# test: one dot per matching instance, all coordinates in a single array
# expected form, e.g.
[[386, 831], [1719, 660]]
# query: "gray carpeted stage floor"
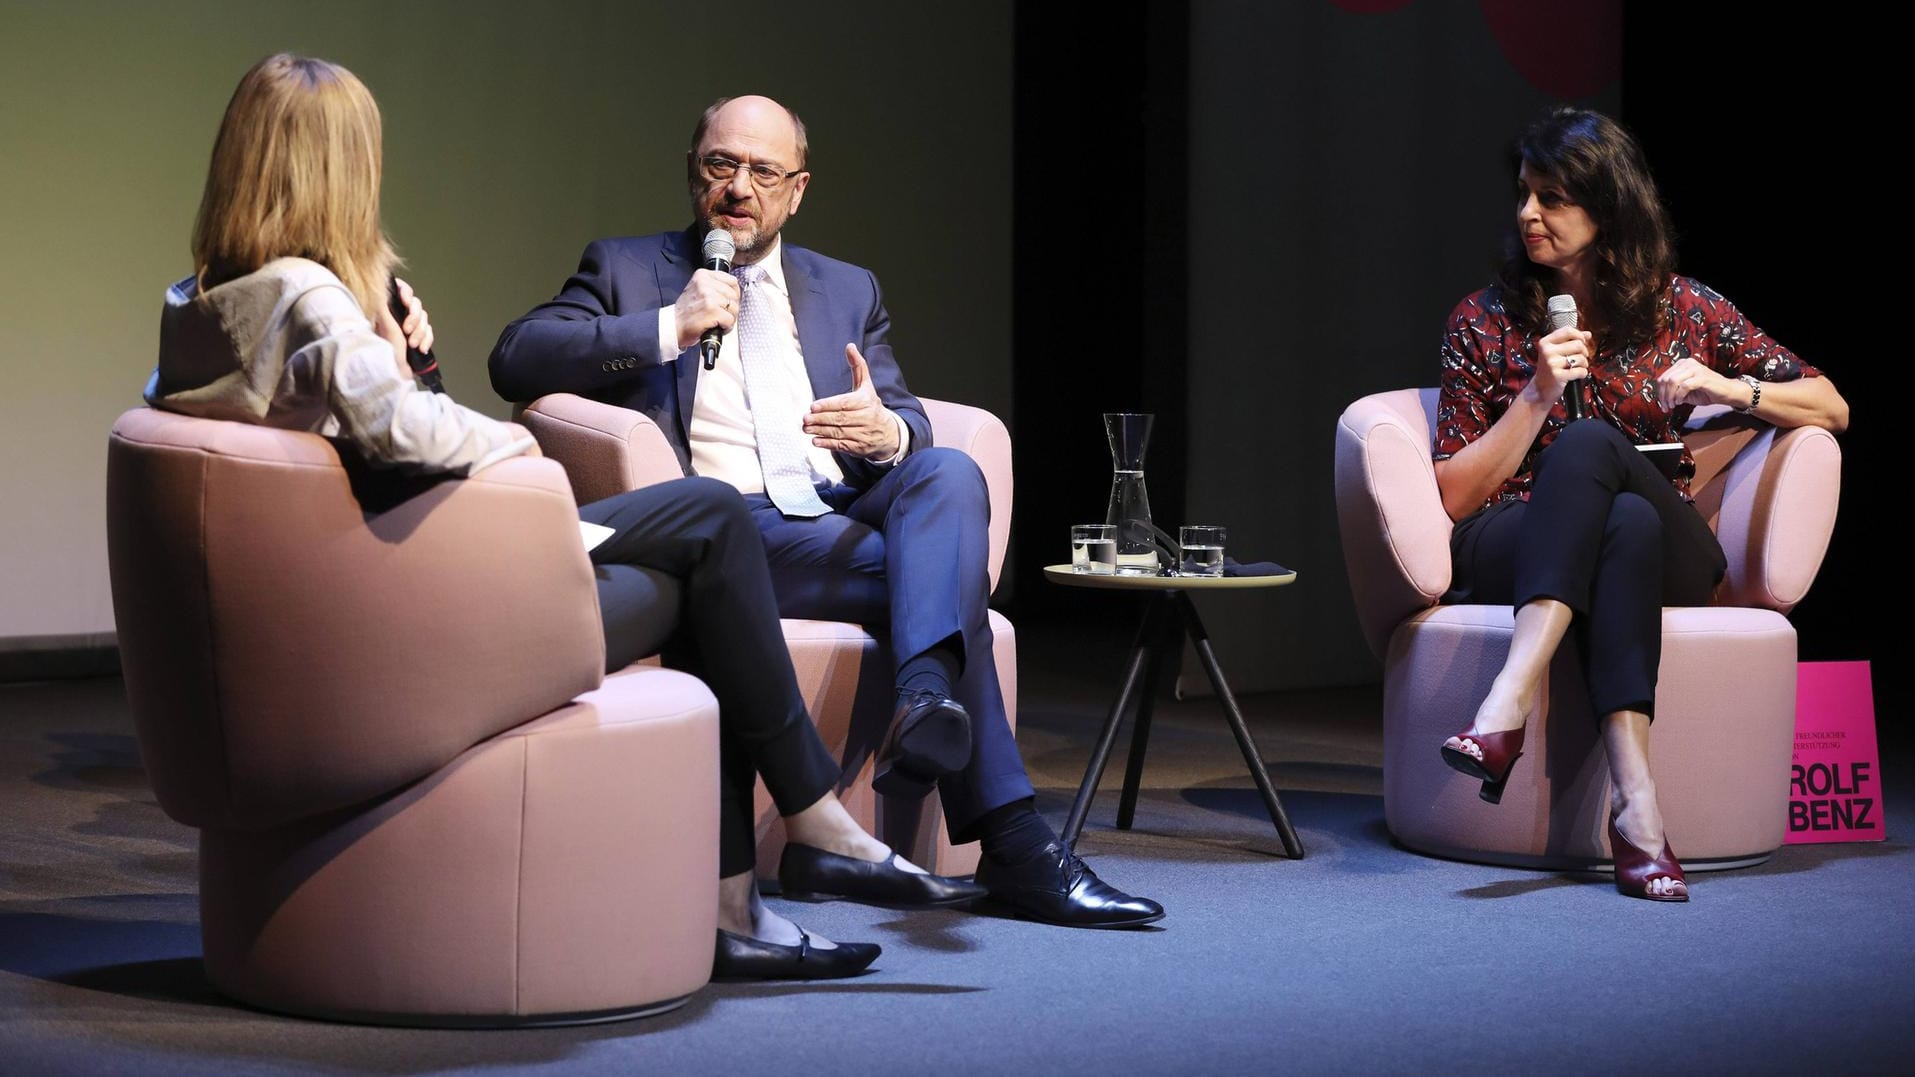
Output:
[[1361, 957]]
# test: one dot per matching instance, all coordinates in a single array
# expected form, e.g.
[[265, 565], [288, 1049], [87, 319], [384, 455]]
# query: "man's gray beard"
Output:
[[749, 249]]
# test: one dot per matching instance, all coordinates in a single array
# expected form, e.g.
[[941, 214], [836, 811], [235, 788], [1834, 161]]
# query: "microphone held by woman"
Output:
[[1562, 315]]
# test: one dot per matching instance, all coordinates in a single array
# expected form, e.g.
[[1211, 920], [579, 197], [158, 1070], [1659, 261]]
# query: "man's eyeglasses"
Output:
[[722, 169]]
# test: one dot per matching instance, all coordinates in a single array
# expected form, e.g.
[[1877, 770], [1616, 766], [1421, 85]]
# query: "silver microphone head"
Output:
[[1562, 312], [719, 247]]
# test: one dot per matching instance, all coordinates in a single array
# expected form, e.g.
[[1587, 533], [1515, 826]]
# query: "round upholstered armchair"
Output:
[[417, 802], [1725, 703]]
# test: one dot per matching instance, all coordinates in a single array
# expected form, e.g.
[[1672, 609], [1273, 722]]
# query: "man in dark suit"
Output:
[[806, 412]]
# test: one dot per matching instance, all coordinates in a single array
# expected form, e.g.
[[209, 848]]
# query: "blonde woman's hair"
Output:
[[295, 172]]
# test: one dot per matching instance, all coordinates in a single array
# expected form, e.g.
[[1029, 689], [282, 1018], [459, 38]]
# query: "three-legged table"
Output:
[[1169, 616]]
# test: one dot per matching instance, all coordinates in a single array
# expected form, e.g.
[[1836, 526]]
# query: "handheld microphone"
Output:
[[1562, 315], [424, 366], [718, 251]]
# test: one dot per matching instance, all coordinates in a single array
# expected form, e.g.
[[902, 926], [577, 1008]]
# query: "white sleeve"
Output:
[[667, 333], [904, 441], [381, 411]]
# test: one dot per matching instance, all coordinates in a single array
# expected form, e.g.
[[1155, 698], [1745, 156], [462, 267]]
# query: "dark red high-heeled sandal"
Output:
[[1635, 869], [1500, 753]]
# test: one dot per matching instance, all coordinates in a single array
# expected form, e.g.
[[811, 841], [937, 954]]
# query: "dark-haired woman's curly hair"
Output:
[[1603, 170]]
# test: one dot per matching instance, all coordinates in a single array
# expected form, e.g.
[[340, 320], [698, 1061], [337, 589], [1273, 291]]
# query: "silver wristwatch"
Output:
[[1755, 392]]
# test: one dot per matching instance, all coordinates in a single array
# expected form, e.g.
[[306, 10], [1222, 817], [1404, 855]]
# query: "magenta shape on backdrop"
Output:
[[1835, 774], [1566, 48]]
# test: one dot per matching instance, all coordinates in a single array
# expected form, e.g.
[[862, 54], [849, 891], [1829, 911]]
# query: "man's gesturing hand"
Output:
[[856, 422], [710, 298]]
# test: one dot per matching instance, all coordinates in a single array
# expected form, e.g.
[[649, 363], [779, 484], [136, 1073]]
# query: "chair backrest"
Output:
[[984, 438], [288, 652], [1396, 533], [1770, 494]]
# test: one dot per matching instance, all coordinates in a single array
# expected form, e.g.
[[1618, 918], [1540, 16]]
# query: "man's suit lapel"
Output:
[[810, 308], [675, 267]]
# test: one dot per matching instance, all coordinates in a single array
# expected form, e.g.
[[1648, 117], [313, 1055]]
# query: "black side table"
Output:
[[1168, 616]]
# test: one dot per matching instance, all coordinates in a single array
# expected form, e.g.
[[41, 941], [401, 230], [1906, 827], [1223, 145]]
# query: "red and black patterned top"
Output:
[[1487, 361]]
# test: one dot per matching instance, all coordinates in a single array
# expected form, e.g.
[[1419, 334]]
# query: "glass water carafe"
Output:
[[1129, 435]]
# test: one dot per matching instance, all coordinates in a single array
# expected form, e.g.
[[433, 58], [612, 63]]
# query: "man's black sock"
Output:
[[934, 670], [1014, 833]]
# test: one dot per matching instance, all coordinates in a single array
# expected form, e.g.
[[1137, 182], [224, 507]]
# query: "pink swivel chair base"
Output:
[[1719, 747], [449, 1021], [563, 872]]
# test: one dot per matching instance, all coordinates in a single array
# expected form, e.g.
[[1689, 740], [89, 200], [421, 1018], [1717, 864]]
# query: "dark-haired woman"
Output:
[[1567, 521]]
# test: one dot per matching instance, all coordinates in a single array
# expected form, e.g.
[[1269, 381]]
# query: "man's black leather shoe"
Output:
[[739, 958], [1058, 888], [930, 736], [808, 873]]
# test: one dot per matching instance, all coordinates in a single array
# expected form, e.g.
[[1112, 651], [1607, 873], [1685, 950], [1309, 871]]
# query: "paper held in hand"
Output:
[[1665, 455], [593, 534]]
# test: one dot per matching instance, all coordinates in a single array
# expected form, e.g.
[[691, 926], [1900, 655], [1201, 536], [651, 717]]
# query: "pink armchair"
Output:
[[419, 799], [844, 672], [1725, 702]]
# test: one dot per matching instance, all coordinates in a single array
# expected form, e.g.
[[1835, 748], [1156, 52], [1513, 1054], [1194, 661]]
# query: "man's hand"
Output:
[[856, 422], [710, 299]]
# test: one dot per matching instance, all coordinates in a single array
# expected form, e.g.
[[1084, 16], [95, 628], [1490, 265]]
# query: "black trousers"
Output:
[[684, 574], [1607, 535], [909, 556]]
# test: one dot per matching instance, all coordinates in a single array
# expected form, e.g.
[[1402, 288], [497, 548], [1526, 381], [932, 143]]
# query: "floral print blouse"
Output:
[[1487, 360]]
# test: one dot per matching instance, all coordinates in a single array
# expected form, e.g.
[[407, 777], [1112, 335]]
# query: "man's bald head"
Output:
[[756, 109]]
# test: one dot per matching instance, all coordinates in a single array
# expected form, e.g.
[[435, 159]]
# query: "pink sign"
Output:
[[1835, 779]]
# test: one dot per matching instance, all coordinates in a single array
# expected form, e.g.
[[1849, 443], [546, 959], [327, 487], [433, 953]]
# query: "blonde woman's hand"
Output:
[[417, 326]]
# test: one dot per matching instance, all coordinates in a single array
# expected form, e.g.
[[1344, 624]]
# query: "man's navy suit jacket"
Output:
[[599, 337]]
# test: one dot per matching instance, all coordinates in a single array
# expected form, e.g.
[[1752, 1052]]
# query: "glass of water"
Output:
[[1203, 550], [1094, 549]]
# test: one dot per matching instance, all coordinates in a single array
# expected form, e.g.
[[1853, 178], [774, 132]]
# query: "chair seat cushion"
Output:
[[563, 869], [1720, 749]]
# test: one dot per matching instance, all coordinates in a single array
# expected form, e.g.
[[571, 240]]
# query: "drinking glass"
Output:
[[1094, 549], [1203, 550]]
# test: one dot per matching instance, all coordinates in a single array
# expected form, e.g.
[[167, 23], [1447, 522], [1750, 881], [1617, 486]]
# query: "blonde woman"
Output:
[[284, 322]]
